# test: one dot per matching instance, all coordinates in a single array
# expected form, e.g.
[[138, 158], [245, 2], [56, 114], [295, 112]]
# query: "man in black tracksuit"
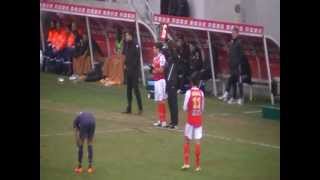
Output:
[[171, 75], [236, 56], [196, 58], [183, 63], [132, 55], [244, 77]]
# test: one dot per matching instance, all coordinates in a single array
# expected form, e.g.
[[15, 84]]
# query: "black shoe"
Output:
[[169, 125], [173, 126], [140, 112], [126, 112]]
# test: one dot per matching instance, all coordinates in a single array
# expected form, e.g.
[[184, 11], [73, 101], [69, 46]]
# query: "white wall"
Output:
[[265, 13], [207, 9], [214, 9]]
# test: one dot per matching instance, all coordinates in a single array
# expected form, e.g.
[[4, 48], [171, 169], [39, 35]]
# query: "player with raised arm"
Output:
[[158, 65]]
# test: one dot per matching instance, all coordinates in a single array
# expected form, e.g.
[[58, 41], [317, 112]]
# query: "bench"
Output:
[[256, 83]]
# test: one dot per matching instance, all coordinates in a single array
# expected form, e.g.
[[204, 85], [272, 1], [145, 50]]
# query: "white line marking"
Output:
[[176, 130], [252, 112], [230, 139], [96, 132]]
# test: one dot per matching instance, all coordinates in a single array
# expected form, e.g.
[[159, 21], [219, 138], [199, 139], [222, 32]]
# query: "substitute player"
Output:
[[84, 127], [194, 105], [158, 66]]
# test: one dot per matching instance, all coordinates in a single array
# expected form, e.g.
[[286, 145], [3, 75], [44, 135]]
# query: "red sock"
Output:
[[159, 111], [163, 112], [197, 153], [186, 151]]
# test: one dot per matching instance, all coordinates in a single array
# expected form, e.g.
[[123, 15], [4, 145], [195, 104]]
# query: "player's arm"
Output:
[[76, 136], [76, 130], [186, 100], [202, 104]]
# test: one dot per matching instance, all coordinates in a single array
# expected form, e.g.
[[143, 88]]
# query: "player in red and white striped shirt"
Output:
[[160, 95], [194, 105]]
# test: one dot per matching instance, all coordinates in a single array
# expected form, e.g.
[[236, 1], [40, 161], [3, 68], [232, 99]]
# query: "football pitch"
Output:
[[237, 144]]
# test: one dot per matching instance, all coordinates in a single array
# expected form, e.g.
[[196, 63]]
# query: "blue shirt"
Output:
[[82, 119]]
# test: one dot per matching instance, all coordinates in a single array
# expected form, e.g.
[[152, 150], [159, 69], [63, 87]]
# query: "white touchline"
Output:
[[97, 132], [231, 139], [252, 112], [176, 130]]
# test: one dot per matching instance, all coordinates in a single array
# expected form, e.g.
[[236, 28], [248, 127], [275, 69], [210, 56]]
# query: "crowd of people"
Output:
[[60, 44], [67, 52]]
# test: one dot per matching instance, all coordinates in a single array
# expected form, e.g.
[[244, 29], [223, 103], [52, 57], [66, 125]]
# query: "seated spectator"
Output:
[[81, 61], [59, 40], [65, 46], [56, 42], [49, 40]]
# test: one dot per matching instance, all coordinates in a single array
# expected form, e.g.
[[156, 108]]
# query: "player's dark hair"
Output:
[[158, 45], [172, 45], [195, 78]]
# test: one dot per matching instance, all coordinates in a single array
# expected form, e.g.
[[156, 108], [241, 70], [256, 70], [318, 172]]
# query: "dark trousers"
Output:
[[232, 85], [240, 84], [132, 83], [173, 104]]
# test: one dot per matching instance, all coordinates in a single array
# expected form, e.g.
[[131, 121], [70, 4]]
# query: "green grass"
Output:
[[128, 147]]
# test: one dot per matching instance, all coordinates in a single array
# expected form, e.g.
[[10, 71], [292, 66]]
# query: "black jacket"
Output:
[[171, 70], [131, 51], [235, 56], [245, 70], [196, 60]]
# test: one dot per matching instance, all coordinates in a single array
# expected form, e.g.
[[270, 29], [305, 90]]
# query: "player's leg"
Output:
[[91, 131], [137, 93], [186, 146], [225, 95], [197, 151], [170, 104], [241, 96], [233, 88], [129, 94], [157, 99], [163, 97], [80, 141], [175, 113], [162, 114]]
